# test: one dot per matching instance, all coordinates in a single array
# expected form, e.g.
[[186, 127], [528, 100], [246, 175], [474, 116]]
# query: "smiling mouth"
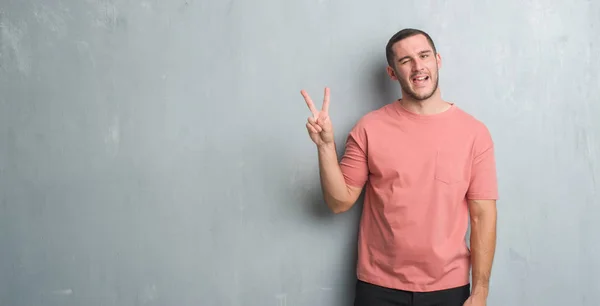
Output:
[[420, 80]]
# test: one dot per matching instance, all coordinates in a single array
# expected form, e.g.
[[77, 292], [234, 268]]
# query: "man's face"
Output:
[[416, 67]]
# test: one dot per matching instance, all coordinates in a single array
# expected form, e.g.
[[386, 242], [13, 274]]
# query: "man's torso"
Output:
[[415, 215]]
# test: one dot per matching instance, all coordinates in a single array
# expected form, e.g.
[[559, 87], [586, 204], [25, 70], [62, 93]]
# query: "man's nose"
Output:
[[417, 65]]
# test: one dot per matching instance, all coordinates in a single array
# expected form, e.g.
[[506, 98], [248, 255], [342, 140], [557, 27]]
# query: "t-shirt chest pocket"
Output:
[[449, 167]]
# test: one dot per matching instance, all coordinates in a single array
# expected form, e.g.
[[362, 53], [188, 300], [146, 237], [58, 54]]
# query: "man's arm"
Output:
[[483, 244], [338, 195]]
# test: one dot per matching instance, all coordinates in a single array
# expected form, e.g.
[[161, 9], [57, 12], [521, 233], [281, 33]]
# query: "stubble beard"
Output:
[[407, 90]]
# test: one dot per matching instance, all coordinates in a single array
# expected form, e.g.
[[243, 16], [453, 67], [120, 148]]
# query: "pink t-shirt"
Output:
[[419, 172]]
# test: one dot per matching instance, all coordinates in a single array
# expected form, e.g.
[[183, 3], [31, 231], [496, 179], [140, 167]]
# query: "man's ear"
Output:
[[439, 60], [392, 73]]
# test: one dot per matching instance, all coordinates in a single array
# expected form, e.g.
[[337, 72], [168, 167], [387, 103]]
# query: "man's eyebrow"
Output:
[[420, 53]]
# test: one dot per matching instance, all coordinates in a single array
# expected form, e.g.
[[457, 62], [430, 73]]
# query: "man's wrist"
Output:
[[480, 291], [326, 147]]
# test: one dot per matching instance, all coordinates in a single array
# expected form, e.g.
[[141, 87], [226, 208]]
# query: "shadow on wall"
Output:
[[385, 90]]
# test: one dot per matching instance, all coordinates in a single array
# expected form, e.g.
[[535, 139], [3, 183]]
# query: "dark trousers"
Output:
[[373, 295]]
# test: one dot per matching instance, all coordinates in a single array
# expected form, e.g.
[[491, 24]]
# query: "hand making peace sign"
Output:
[[319, 126]]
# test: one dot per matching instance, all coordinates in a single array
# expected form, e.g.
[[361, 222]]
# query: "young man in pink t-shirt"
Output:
[[428, 168]]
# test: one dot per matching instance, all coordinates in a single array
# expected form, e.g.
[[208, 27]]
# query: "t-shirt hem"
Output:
[[399, 285], [482, 196], [354, 184]]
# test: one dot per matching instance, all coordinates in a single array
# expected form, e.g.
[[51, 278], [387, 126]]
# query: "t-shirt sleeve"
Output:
[[483, 184], [354, 160]]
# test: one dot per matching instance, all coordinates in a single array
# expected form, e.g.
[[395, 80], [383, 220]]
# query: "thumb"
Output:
[[324, 123], [323, 119]]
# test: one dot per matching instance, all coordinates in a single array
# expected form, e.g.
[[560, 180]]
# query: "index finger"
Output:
[[309, 102], [326, 101]]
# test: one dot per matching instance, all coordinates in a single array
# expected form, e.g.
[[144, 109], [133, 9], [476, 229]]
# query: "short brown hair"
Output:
[[402, 34]]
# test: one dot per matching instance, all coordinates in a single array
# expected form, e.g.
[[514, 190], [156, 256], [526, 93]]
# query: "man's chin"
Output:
[[420, 96]]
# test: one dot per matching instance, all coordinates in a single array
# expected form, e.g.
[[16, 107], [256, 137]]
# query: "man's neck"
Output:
[[434, 105]]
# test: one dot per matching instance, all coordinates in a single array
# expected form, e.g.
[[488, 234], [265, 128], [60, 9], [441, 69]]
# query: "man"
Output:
[[428, 166]]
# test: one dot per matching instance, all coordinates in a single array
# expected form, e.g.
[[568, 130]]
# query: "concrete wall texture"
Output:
[[154, 152]]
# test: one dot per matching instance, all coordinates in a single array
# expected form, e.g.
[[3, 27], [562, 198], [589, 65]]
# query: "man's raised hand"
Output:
[[319, 125]]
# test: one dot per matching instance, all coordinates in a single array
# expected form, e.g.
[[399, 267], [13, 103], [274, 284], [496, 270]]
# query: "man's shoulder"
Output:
[[469, 120], [473, 126]]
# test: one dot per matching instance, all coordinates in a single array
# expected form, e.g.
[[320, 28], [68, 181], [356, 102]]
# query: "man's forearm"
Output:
[[483, 247], [335, 190]]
